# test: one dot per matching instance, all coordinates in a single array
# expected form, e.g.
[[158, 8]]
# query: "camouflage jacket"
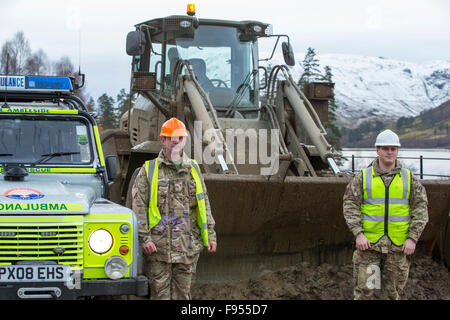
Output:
[[353, 198], [177, 236]]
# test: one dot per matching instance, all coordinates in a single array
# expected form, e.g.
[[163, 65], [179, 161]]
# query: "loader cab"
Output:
[[223, 55], [222, 63]]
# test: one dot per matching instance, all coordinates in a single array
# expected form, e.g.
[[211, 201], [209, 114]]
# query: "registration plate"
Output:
[[34, 273]]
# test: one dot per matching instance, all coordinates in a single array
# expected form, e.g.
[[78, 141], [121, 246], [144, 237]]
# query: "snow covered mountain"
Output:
[[382, 88]]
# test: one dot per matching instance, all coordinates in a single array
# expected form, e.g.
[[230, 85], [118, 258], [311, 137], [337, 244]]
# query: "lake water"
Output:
[[435, 161]]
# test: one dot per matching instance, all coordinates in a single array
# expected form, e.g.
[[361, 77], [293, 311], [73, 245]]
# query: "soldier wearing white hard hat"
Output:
[[387, 138], [385, 207]]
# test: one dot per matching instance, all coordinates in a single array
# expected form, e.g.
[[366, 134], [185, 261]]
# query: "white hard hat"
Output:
[[387, 138]]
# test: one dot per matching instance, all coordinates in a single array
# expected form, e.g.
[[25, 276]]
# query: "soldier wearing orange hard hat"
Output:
[[173, 128], [175, 220]]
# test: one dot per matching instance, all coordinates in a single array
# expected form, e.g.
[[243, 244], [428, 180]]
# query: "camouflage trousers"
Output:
[[379, 275], [170, 281]]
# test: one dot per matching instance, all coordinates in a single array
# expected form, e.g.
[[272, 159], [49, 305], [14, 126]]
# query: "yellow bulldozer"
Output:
[[273, 183]]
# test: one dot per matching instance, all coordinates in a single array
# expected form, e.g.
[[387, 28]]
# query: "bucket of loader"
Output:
[[266, 225]]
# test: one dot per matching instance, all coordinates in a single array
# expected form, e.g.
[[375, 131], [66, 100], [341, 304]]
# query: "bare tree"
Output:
[[38, 63], [63, 67], [15, 54], [7, 59], [16, 59], [23, 50]]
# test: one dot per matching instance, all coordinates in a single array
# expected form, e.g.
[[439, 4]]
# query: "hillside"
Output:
[[378, 88], [431, 129], [369, 88]]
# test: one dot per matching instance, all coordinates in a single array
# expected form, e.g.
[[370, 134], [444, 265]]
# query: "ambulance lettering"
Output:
[[39, 207], [12, 82]]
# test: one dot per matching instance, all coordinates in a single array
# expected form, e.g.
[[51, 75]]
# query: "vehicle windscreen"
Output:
[[44, 141], [225, 66]]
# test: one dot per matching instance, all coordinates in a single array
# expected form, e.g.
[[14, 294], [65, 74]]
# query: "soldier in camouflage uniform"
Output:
[[172, 247], [381, 263]]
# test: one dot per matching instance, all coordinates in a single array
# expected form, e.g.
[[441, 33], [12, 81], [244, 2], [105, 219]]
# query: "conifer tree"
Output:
[[107, 113], [123, 100], [311, 73], [91, 104], [310, 67]]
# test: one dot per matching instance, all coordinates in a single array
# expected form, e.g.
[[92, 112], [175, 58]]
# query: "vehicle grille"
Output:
[[38, 242]]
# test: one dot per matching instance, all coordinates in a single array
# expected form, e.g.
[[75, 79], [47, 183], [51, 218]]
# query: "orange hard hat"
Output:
[[173, 128]]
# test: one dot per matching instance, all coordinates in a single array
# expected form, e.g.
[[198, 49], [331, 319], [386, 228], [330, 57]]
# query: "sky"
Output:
[[93, 32]]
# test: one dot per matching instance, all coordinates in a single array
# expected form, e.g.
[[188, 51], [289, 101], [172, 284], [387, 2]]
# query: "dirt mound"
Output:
[[428, 280]]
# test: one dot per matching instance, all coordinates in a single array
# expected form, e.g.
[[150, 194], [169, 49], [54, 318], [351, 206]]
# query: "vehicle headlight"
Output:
[[116, 267], [100, 241]]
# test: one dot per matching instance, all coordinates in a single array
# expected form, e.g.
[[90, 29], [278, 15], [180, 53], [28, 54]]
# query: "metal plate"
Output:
[[34, 273], [144, 81]]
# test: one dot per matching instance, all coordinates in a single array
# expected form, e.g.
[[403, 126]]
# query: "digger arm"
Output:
[[211, 135], [313, 128]]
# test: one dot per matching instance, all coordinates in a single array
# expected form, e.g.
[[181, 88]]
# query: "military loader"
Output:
[[273, 183]]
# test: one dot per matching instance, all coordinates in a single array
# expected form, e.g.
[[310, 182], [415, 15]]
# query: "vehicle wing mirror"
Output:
[[111, 167], [135, 43], [288, 54]]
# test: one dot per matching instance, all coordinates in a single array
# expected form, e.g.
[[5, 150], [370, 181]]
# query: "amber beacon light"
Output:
[[191, 9]]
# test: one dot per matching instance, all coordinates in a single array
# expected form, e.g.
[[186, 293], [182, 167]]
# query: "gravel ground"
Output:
[[428, 280]]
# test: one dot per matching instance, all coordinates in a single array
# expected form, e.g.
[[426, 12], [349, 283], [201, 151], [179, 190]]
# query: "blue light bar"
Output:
[[49, 83], [35, 83]]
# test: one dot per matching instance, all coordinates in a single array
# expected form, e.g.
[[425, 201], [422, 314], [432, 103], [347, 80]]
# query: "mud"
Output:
[[428, 280]]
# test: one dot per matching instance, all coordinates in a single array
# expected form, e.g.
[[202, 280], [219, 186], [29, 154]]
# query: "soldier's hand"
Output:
[[362, 243], [409, 247], [149, 247], [212, 246]]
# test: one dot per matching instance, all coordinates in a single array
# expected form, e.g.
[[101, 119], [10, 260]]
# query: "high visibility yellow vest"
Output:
[[386, 210], [154, 216]]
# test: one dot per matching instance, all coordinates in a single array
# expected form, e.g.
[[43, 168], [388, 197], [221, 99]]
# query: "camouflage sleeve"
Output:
[[419, 209], [140, 192], [209, 217], [352, 204]]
